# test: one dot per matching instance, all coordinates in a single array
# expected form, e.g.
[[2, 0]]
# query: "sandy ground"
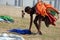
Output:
[[51, 33]]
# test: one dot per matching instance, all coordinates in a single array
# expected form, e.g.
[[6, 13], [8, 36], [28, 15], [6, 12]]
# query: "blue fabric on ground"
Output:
[[19, 31]]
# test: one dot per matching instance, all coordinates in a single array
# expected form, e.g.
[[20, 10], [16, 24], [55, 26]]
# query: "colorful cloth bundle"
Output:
[[47, 10]]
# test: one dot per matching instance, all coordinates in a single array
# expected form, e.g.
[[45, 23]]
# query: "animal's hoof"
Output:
[[40, 33]]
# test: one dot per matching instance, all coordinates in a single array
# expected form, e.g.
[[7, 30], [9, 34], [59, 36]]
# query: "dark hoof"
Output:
[[40, 33]]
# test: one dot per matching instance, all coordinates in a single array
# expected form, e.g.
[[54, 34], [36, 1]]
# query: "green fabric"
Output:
[[7, 18], [53, 12]]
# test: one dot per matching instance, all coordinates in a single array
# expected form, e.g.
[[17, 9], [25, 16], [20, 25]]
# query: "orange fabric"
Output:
[[48, 5], [41, 9]]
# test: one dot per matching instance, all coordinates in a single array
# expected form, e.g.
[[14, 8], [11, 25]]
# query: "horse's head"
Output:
[[27, 9]]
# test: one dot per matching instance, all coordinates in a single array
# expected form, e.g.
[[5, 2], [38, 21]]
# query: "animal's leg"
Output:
[[37, 24]]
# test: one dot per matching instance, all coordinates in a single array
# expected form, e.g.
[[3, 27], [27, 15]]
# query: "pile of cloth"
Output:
[[48, 12], [6, 19]]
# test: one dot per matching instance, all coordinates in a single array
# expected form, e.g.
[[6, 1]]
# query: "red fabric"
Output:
[[52, 19]]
